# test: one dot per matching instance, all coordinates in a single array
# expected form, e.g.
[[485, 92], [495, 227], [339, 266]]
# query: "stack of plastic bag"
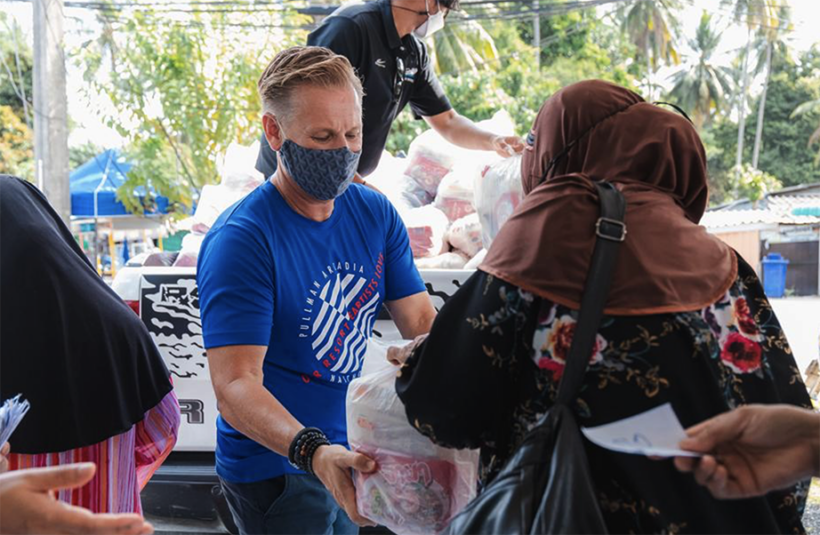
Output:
[[418, 487]]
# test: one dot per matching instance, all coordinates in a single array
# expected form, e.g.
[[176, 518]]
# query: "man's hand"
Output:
[[753, 450], [4, 461], [29, 505], [332, 465], [508, 145], [399, 355]]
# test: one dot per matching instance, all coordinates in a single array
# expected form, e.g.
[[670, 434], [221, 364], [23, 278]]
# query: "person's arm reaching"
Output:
[[463, 132], [30, 505], [245, 403], [413, 315], [753, 450]]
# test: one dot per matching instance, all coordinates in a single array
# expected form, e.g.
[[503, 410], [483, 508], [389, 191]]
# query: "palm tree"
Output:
[[809, 107], [652, 27], [702, 88], [754, 13], [769, 38], [462, 45]]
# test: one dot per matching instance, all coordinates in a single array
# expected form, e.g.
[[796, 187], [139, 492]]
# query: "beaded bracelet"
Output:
[[304, 446]]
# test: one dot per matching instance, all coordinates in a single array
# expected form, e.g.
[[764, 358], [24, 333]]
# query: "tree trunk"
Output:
[[648, 70], [741, 128], [762, 107]]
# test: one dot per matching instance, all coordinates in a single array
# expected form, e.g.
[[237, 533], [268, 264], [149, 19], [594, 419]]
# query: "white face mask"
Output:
[[433, 23]]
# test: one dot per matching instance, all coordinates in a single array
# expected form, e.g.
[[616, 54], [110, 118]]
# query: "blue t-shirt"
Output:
[[311, 293]]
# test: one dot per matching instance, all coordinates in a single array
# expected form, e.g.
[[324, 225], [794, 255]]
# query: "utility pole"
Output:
[[50, 106], [536, 33]]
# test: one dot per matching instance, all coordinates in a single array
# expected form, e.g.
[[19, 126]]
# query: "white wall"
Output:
[[800, 319]]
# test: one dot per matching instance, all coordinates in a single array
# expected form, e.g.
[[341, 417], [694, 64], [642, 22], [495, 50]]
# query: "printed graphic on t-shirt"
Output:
[[340, 310]]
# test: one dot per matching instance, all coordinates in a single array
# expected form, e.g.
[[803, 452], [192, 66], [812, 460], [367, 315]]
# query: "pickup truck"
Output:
[[166, 298]]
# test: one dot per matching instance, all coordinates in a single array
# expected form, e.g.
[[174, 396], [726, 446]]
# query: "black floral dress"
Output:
[[491, 365]]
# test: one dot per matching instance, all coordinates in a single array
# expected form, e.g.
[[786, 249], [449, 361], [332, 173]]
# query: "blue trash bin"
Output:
[[774, 274]]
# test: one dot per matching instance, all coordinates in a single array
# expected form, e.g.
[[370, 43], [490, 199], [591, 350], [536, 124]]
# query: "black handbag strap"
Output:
[[610, 230]]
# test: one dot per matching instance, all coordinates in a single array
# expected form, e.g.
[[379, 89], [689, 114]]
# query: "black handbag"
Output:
[[546, 486]]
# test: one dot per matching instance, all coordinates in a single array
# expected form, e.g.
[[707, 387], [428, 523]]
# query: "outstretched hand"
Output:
[[29, 504], [753, 450]]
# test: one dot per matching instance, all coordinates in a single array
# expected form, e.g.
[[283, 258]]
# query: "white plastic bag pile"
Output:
[[453, 201], [418, 486], [239, 177]]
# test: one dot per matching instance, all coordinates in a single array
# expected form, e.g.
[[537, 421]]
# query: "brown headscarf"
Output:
[[600, 131]]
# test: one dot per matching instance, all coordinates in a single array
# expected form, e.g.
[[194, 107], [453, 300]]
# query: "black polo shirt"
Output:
[[367, 36]]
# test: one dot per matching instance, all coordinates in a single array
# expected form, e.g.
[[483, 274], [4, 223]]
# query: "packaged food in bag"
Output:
[[498, 192], [429, 160], [426, 227], [455, 193], [465, 235], [418, 486]]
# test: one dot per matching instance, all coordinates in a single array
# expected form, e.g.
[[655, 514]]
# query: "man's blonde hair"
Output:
[[300, 66]]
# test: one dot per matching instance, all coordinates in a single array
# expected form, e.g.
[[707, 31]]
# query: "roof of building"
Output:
[[797, 205]]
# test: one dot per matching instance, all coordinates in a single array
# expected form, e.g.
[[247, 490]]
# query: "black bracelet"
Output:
[[304, 446]]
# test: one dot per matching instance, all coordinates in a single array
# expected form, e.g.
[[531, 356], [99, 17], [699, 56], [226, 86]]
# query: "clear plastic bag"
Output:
[[498, 192], [465, 235], [455, 193], [418, 486], [452, 260], [426, 227]]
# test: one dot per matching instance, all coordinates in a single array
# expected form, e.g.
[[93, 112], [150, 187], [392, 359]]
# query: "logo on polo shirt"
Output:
[[381, 63], [341, 308]]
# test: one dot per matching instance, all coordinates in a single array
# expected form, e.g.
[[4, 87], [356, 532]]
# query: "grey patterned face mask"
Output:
[[322, 174]]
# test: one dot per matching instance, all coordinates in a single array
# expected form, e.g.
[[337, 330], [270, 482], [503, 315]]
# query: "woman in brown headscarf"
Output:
[[686, 321]]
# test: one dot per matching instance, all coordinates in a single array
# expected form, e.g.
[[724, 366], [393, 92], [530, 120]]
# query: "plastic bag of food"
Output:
[[465, 235], [426, 227], [455, 193], [498, 192], [404, 192], [418, 486], [429, 160], [452, 260]]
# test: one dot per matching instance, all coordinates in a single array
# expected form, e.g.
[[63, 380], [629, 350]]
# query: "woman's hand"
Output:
[[399, 355], [753, 450], [332, 465], [29, 505]]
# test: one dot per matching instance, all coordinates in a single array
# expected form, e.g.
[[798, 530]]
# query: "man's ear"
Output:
[[273, 134]]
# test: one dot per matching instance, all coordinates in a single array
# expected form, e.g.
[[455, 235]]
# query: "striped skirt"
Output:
[[124, 462]]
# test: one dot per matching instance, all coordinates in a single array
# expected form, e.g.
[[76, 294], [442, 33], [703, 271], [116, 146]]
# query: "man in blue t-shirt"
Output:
[[291, 280]]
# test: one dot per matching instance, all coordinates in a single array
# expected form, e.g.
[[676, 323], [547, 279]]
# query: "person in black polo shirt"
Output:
[[382, 40]]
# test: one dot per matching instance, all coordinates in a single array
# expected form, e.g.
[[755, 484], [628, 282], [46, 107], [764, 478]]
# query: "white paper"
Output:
[[655, 432]]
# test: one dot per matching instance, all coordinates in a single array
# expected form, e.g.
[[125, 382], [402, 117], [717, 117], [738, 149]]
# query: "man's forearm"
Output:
[[463, 132], [253, 411]]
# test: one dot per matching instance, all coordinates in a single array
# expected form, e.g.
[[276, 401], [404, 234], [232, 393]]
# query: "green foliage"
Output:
[[785, 152], [753, 184], [16, 149], [701, 88], [182, 92], [16, 67], [513, 83]]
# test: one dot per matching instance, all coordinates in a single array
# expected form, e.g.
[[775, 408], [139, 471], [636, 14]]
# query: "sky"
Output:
[[80, 26]]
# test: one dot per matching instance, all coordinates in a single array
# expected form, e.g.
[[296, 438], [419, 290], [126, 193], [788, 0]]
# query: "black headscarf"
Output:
[[68, 343]]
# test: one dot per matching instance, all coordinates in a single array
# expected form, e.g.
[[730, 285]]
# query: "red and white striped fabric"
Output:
[[124, 462]]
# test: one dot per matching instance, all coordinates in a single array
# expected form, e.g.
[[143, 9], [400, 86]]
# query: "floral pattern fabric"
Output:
[[496, 354]]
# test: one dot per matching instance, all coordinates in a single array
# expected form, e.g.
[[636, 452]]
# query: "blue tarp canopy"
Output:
[[101, 176]]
